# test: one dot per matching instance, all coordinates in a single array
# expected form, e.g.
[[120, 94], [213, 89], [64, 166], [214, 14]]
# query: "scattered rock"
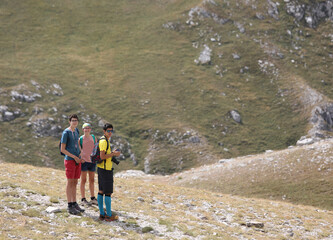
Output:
[[44, 127], [255, 224], [273, 10], [205, 56], [236, 116], [25, 98], [8, 116], [53, 210], [305, 141], [236, 56]]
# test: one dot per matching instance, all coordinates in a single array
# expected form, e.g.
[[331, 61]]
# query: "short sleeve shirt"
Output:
[[71, 140], [107, 165]]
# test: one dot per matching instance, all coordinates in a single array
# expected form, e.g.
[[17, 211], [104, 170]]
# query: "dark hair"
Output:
[[107, 125], [73, 116]]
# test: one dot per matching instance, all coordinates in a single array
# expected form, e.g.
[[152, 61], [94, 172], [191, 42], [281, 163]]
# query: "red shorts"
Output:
[[73, 171]]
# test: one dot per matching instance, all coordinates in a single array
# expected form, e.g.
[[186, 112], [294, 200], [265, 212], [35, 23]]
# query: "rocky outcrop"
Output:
[[322, 120], [45, 127], [311, 14]]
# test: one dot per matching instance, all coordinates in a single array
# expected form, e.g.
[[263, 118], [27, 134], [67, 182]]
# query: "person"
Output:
[[86, 144], [105, 174], [72, 162]]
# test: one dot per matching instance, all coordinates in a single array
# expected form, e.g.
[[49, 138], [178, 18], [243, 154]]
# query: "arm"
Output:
[[110, 155], [64, 151]]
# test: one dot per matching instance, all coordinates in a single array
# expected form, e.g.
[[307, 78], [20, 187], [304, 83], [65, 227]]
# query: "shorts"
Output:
[[73, 170], [88, 166], [105, 180]]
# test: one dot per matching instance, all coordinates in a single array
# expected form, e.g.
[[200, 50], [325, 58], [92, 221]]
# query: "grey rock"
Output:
[[240, 27], [53, 210], [8, 116], [44, 127], [312, 13], [236, 56], [305, 141], [273, 10], [260, 16], [236, 116], [255, 224], [3, 108], [140, 199], [101, 123], [205, 55], [194, 139], [25, 98], [244, 69]]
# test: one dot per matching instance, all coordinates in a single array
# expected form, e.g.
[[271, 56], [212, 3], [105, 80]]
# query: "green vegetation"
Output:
[[116, 60]]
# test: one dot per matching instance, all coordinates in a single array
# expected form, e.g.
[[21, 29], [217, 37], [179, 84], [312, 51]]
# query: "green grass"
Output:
[[110, 56]]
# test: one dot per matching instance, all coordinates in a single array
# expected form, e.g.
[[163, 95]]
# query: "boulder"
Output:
[[205, 56], [236, 116], [304, 141], [8, 116]]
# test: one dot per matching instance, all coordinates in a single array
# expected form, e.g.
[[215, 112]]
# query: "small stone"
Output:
[[53, 210], [255, 224]]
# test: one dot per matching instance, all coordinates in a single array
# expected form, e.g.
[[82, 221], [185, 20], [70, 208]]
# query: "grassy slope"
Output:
[[301, 175], [110, 56]]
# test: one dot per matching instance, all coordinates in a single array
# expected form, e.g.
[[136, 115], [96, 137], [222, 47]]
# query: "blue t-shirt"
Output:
[[71, 140]]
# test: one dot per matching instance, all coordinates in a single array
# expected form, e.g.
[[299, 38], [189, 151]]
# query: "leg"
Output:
[[83, 183], [92, 183], [71, 190]]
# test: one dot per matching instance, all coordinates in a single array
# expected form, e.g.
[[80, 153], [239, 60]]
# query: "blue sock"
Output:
[[108, 205], [100, 204]]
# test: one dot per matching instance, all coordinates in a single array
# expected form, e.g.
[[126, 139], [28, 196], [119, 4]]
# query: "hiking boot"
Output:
[[85, 202], [73, 210], [94, 202], [112, 218], [77, 207], [101, 217]]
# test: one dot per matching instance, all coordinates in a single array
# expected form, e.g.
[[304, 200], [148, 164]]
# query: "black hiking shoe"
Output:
[[77, 207], [85, 202], [72, 210]]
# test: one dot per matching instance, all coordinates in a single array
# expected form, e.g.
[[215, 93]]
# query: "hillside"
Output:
[[185, 83], [148, 210], [301, 175]]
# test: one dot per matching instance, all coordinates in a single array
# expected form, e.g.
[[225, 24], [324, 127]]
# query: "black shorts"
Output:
[[105, 180]]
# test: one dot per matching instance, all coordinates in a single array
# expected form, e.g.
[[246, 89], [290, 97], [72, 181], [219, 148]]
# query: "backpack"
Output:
[[95, 156], [81, 140]]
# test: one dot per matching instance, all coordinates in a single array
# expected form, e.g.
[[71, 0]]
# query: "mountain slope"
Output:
[[147, 211], [301, 175], [139, 65]]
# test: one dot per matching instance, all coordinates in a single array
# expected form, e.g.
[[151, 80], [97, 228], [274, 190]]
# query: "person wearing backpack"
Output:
[[105, 174], [70, 147], [86, 144]]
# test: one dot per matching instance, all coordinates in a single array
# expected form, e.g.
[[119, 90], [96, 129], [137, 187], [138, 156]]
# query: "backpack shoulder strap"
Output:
[[93, 137], [81, 141]]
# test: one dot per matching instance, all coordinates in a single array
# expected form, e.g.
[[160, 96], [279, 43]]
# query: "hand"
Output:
[[116, 153], [77, 159], [83, 161]]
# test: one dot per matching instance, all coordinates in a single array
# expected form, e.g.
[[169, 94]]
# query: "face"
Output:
[[86, 130], [108, 132], [74, 122]]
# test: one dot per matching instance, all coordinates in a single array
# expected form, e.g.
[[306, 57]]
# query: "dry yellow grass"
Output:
[[148, 209]]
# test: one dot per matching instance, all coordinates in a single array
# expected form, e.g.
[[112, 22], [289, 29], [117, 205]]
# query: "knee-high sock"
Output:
[[100, 204], [108, 205]]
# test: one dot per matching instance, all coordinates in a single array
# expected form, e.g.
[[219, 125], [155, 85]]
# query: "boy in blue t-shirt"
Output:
[[72, 162]]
